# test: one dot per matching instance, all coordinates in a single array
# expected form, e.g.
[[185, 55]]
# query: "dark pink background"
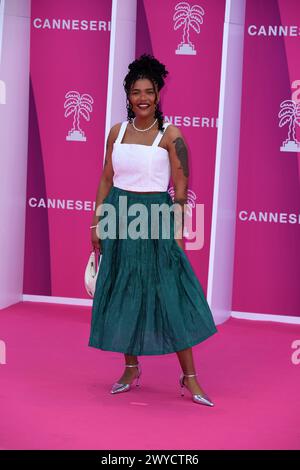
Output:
[[58, 240]]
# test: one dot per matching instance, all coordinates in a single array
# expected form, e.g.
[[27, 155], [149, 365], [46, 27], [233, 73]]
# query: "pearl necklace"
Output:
[[143, 130]]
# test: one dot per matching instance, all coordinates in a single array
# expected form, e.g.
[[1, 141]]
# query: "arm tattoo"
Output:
[[181, 152]]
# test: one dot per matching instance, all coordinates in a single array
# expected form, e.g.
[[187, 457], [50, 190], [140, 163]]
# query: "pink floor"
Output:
[[54, 389]]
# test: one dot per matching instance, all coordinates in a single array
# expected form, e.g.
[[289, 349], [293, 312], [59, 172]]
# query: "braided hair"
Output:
[[146, 66]]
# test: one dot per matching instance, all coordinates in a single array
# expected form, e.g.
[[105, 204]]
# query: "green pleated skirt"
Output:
[[148, 299]]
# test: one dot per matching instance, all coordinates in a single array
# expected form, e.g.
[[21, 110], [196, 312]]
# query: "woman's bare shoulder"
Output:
[[172, 132], [116, 127], [114, 131], [172, 129]]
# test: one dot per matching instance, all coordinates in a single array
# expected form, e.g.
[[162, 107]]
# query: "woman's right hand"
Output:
[[96, 242]]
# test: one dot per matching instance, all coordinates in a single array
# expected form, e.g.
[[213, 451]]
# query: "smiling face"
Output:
[[143, 93]]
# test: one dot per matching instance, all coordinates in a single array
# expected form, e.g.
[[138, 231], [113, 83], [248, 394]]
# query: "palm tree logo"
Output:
[[79, 105], [189, 17], [191, 198], [290, 114]]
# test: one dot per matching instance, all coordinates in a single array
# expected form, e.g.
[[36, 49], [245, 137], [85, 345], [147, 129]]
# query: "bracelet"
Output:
[[92, 226]]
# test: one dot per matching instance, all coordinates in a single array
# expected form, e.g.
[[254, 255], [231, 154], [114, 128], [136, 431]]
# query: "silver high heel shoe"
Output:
[[119, 388], [201, 399]]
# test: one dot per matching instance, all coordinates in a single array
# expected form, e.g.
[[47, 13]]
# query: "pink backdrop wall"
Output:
[[69, 54], [14, 85], [267, 254], [190, 97]]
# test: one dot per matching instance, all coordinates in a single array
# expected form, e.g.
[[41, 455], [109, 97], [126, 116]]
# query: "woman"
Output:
[[147, 300]]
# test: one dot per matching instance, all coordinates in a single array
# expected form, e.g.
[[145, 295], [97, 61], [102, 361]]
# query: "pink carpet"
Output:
[[54, 391]]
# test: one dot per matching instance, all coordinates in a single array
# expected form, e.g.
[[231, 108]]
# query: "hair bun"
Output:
[[147, 64]]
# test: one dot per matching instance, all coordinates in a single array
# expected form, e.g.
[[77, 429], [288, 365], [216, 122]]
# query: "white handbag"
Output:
[[91, 272]]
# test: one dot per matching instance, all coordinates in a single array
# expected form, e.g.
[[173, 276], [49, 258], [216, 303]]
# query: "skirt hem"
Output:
[[154, 353]]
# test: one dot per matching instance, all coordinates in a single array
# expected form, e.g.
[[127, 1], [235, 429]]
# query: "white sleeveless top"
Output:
[[139, 167]]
